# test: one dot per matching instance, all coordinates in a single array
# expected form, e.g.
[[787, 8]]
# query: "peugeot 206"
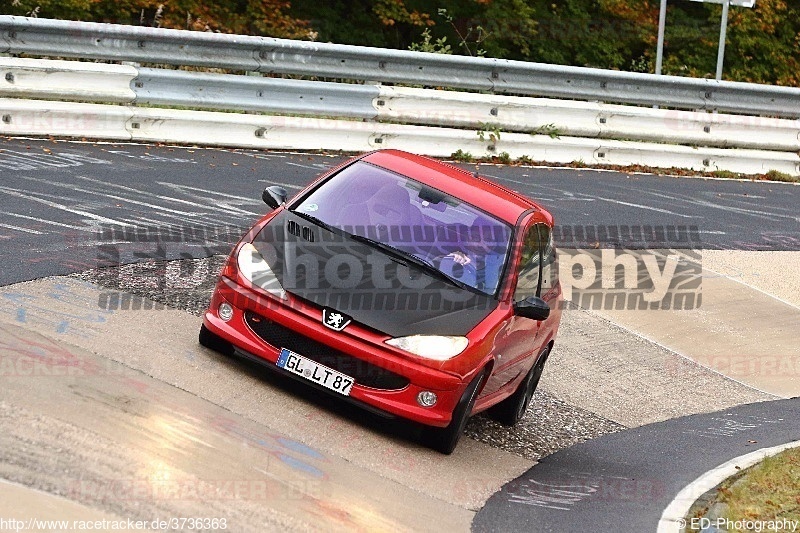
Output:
[[405, 285]]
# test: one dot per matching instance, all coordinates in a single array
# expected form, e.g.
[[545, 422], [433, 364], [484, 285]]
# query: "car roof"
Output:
[[493, 198]]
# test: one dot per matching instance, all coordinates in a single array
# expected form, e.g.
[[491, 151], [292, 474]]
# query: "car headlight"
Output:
[[437, 347], [256, 270]]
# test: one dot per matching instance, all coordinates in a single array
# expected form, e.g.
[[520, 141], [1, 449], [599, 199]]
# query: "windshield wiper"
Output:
[[405, 257], [315, 220]]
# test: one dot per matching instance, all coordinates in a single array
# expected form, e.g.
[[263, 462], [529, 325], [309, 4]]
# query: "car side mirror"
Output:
[[532, 307], [274, 196]]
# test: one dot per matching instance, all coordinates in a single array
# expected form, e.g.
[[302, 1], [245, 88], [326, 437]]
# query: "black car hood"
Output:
[[376, 289]]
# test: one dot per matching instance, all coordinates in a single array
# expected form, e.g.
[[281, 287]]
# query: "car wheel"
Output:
[[445, 439], [511, 410], [214, 342]]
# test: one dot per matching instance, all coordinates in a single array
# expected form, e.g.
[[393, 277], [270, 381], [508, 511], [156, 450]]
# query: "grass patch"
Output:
[[503, 158], [462, 156], [775, 175], [767, 491], [726, 174]]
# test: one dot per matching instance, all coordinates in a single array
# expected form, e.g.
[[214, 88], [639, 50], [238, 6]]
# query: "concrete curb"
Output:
[[673, 520]]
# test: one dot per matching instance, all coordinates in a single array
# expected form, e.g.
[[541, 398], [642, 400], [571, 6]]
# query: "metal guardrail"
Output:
[[246, 93], [70, 98], [126, 84], [19, 35], [141, 124]]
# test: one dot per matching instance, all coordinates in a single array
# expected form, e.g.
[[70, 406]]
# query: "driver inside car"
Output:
[[476, 263]]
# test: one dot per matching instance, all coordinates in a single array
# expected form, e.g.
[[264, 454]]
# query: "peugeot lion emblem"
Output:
[[334, 319]]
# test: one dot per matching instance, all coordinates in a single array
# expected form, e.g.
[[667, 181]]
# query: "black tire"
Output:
[[511, 410], [214, 342], [444, 440]]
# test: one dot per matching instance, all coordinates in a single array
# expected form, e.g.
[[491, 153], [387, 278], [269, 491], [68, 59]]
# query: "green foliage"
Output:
[[392, 12], [492, 131], [583, 33], [255, 17], [764, 493], [776, 175], [493, 28], [727, 174], [345, 22], [471, 39], [462, 156], [504, 158], [551, 130], [439, 46], [382, 23], [763, 44], [57, 9]]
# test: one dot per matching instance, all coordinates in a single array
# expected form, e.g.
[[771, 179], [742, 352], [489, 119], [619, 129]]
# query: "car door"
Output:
[[518, 341]]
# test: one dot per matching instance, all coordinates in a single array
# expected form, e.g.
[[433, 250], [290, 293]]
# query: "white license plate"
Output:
[[313, 371]]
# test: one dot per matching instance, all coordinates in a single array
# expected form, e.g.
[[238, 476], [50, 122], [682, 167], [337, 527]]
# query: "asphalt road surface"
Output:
[[67, 207], [624, 481], [57, 198]]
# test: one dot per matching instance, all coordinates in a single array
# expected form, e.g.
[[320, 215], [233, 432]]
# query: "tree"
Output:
[[254, 17], [763, 44], [57, 9], [380, 23], [589, 33]]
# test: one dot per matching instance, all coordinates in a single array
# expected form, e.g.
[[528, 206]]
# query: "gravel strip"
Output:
[[549, 425]]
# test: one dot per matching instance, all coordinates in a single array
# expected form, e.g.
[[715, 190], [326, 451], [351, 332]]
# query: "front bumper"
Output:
[[394, 382]]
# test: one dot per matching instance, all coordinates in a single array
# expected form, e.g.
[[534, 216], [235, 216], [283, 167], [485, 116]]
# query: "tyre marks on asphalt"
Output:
[[87, 217], [124, 168], [730, 214], [24, 230], [54, 217], [111, 182]]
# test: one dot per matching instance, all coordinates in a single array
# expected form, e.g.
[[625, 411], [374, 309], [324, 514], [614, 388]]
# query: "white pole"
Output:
[[662, 19], [723, 30]]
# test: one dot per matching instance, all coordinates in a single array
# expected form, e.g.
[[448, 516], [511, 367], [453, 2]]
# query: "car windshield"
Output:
[[450, 235]]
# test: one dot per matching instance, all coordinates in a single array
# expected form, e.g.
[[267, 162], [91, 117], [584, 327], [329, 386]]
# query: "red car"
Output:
[[400, 283]]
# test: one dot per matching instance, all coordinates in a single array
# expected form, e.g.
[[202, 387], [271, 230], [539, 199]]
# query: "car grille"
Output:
[[364, 373]]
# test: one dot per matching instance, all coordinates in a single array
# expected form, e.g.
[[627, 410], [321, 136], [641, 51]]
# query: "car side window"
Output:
[[538, 271], [528, 278], [549, 267]]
